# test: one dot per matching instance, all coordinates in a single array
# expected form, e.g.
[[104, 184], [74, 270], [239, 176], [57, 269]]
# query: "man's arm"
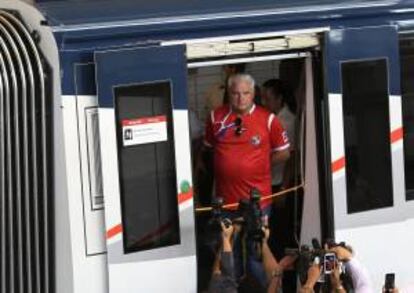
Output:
[[279, 141], [273, 270], [269, 262], [227, 262], [280, 156], [314, 273]]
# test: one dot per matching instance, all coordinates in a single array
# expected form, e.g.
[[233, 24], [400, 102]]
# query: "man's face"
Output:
[[241, 97]]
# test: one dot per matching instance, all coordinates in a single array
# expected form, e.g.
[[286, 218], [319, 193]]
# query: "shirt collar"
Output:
[[250, 111]]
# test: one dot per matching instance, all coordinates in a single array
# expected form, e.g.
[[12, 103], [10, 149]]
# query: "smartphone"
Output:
[[389, 282], [329, 260]]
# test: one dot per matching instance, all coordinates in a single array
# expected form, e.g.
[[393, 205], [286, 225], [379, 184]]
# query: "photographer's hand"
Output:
[[226, 233], [314, 273], [288, 262], [272, 268], [336, 279]]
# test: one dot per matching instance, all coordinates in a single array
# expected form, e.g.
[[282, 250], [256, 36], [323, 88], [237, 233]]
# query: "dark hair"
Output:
[[280, 89]]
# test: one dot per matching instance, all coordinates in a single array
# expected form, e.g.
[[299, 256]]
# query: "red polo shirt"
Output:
[[243, 161]]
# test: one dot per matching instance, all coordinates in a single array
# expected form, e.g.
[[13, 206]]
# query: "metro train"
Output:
[[96, 179]]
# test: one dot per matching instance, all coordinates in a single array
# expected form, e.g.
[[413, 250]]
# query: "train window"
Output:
[[367, 142], [147, 166], [407, 89]]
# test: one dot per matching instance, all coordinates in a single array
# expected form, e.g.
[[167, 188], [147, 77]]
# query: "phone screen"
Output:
[[329, 262], [389, 282]]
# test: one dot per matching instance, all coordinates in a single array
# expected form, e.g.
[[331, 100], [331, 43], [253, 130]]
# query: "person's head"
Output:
[[273, 95], [241, 92]]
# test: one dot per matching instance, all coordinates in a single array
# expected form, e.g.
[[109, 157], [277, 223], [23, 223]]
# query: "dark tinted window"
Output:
[[147, 166], [407, 88], [367, 135]]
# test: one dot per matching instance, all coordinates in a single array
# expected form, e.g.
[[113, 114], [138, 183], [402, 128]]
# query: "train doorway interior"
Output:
[[300, 70]]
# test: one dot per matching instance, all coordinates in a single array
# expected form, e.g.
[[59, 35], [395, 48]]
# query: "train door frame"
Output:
[[304, 209], [318, 92]]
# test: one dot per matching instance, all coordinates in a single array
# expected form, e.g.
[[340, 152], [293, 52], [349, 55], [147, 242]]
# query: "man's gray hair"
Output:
[[241, 77]]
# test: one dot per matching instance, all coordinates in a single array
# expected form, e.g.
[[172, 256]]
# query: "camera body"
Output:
[[306, 256], [251, 213]]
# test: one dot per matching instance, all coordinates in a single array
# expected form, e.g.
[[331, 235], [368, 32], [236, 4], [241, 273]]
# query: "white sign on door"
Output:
[[144, 130]]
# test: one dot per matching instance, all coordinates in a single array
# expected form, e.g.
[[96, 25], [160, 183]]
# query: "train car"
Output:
[[96, 100]]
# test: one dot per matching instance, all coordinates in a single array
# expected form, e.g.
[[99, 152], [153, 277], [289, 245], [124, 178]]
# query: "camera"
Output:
[[306, 256], [251, 213]]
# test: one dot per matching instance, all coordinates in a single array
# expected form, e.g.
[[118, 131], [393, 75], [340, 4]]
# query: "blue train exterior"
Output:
[[99, 53]]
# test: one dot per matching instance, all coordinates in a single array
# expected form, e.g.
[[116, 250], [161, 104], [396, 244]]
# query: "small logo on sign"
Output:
[[128, 134], [255, 140]]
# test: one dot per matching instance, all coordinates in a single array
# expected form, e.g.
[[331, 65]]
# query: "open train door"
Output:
[[146, 169], [366, 145]]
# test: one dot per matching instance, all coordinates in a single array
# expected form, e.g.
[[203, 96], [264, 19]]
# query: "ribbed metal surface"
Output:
[[25, 156], [94, 150]]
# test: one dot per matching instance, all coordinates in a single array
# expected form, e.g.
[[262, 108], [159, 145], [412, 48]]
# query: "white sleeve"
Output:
[[360, 276]]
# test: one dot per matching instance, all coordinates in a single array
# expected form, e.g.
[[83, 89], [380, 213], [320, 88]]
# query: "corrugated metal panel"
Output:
[[25, 157], [94, 159]]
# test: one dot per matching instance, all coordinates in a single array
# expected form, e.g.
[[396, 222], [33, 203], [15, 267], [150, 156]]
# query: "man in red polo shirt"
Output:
[[246, 140]]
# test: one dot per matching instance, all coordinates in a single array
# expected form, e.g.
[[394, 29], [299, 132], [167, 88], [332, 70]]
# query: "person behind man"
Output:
[[274, 97], [275, 94], [246, 140]]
